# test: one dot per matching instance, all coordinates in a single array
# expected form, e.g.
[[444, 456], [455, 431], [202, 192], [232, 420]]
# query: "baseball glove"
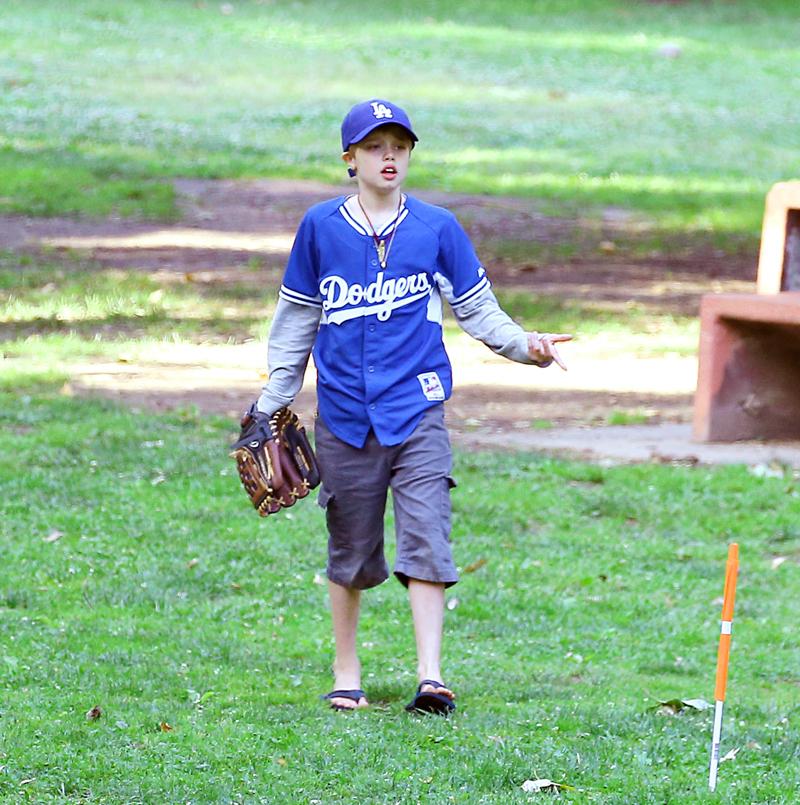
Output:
[[275, 460]]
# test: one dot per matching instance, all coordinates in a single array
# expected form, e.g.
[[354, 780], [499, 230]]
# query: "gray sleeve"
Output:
[[291, 337], [484, 319]]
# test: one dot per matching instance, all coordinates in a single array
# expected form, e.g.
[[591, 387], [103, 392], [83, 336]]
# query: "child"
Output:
[[363, 287]]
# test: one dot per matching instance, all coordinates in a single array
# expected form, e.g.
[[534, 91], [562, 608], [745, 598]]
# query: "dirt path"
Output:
[[233, 231]]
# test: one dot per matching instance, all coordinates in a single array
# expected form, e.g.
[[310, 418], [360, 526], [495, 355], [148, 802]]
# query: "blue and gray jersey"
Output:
[[377, 330]]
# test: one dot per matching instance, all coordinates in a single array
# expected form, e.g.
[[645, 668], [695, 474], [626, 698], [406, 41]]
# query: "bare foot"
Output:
[[432, 697], [438, 689], [350, 699]]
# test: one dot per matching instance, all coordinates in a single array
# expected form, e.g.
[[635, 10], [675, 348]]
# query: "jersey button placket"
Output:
[[370, 347]]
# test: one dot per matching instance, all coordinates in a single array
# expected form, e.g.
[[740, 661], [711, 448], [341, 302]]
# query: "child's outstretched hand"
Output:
[[542, 347]]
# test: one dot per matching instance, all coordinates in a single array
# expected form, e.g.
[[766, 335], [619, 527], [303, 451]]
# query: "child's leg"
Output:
[[421, 484], [354, 489], [345, 602], [427, 609]]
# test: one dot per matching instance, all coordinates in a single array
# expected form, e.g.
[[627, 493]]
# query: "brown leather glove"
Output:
[[275, 460]]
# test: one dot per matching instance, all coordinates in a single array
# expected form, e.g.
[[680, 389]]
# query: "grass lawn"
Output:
[[137, 579], [89, 306], [683, 113]]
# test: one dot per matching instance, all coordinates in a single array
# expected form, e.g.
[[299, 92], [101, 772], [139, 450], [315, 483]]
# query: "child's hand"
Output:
[[542, 347]]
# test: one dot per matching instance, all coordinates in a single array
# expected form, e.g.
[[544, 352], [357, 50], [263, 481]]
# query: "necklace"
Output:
[[380, 244]]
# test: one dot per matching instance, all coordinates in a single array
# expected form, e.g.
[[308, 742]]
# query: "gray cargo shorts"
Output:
[[355, 482]]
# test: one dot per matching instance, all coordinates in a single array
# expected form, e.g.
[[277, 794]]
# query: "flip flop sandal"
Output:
[[429, 702], [354, 695]]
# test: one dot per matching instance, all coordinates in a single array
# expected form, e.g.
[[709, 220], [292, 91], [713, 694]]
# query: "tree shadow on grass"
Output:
[[130, 328]]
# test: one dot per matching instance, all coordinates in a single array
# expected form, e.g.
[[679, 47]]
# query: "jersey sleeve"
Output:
[[484, 319], [301, 278], [460, 275], [291, 338]]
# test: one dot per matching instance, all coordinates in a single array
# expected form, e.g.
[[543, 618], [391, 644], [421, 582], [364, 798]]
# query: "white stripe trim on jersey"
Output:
[[726, 627], [393, 224], [482, 284], [298, 298], [362, 229], [352, 221], [341, 316]]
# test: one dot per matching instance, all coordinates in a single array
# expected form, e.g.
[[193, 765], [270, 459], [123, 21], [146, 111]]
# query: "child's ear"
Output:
[[349, 160]]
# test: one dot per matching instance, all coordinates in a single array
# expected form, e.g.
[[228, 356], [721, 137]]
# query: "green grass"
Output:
[[627, 418], [137, 578], [636, 329], [74, 308], [570, 102], [40, 182]]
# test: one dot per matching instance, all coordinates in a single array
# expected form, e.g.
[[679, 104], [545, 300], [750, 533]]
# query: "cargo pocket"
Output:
[[324, 497], [447, 507]]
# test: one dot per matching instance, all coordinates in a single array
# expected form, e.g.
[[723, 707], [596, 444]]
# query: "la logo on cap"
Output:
[[380, 110]]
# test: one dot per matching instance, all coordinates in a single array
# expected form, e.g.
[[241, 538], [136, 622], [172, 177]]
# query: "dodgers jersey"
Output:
[[379, 353]]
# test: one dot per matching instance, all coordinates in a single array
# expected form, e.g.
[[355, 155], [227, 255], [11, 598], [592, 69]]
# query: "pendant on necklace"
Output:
[[382, 253]]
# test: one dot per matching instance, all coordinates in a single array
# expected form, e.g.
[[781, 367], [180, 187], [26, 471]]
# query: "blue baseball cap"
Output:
[[368, 116]]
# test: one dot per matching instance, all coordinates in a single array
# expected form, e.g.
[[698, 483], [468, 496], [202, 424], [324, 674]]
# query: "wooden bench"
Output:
[[748, 384]]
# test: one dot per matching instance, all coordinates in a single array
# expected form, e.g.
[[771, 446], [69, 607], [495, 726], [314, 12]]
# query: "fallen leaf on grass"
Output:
[[673, 706], [199, 699], [94, 713], [452, 604], [697, 704], [156, 443], [777, 561], [53, 536], [164, 727], [193, 563], [730, 755], [281, 761], [771, 470], [535, 786], [476, 565]]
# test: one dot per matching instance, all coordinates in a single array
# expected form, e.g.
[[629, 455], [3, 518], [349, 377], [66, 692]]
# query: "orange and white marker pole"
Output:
[[723, 654]]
